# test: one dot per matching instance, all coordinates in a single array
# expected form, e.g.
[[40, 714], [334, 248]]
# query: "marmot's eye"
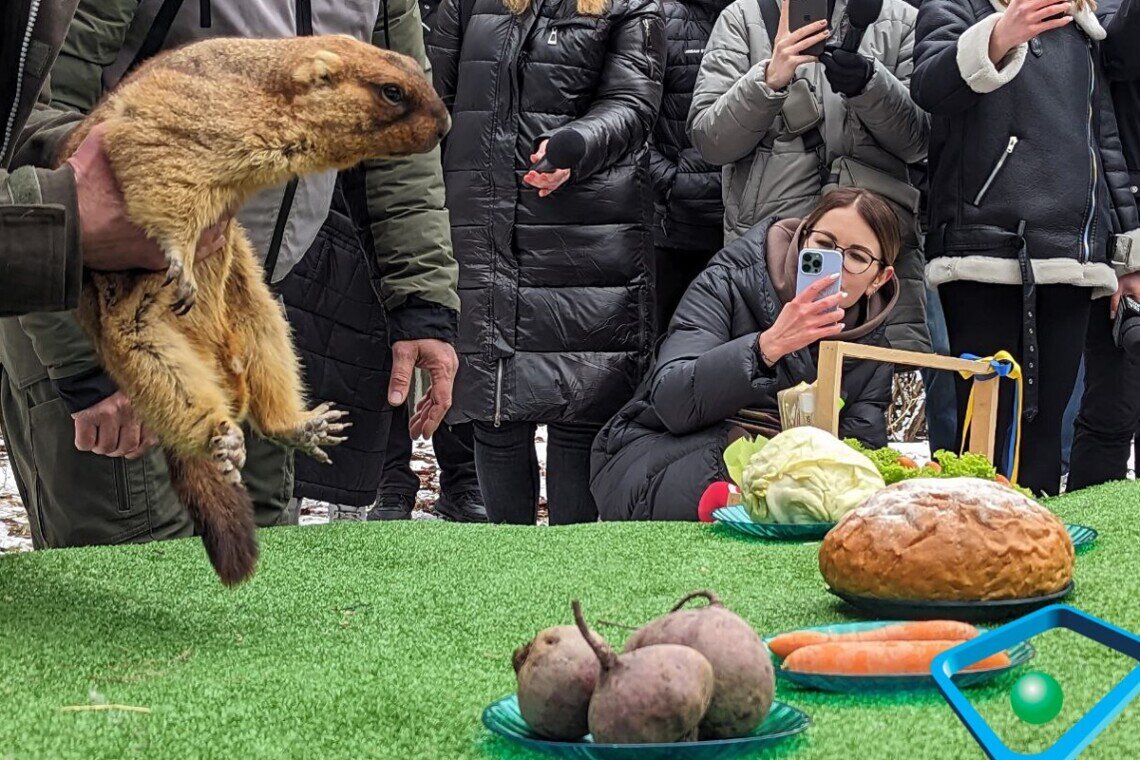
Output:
[[392, 94]]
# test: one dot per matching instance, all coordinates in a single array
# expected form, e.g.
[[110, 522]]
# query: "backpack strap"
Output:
[[770, 13], [156, 35]]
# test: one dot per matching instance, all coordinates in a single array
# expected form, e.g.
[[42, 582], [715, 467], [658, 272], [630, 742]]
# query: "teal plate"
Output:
[[503, 718], [1018, 655], [738, 519], [1083, 536]]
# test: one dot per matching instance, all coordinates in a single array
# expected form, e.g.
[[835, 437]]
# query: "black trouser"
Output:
[[1110, 407], [676, 268], [983, 319], [454, 447], [509, 477]]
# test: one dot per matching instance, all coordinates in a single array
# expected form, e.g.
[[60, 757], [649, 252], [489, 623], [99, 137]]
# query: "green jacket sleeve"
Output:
[[93, 40], [410, 233]]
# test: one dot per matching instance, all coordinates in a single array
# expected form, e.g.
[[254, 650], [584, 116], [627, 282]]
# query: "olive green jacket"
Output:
[[40, 261], [410, 240]]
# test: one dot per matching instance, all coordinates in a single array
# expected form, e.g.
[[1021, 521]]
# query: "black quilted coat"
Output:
[[689, 210], [557, 312], [660, 452]]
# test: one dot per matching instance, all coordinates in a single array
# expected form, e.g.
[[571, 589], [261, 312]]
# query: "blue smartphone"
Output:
[[816, 264]]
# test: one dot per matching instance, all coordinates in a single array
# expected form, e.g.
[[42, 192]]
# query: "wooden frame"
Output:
[[983, 426]]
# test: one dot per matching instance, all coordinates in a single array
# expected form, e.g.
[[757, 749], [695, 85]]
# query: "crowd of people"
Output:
[[974, 162]]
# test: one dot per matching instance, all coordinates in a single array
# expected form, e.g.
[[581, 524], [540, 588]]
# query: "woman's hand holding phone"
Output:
[[546, 182], [788, 50], [1022, 21], [803, 321]]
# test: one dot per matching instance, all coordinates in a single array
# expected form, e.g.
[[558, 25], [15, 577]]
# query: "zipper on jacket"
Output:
[[25, 45], [981, 196], [1086, 236], [499, 394]]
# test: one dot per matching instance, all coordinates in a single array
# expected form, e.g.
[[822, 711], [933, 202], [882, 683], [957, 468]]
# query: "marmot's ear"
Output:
[[320, 69]]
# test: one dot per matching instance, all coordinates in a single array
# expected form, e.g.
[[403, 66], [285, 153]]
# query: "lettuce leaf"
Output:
[[739, 454]]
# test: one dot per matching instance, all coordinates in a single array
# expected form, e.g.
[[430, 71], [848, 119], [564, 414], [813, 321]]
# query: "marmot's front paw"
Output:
[[227, 450], [321, 428], [186, 294]]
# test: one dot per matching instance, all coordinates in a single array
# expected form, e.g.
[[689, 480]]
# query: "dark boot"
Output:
[[391, 507], [466, 507]]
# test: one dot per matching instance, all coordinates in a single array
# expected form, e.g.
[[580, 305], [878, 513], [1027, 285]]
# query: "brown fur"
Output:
[[195, 132]]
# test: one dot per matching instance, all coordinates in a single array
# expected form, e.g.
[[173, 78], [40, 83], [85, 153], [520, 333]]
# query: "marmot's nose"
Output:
[[442, 119]]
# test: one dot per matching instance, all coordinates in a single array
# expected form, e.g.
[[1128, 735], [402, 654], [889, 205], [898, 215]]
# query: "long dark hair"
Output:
[[874, 209]]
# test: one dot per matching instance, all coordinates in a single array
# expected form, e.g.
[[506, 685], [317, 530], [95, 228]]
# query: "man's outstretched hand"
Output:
[[110, 240], [438, 359]]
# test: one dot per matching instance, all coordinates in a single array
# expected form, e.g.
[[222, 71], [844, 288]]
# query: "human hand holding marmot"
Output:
[[109, 239], [803, 321], [1022, 21], [439, 360], [546, 182], [787, 52], [111, 428]]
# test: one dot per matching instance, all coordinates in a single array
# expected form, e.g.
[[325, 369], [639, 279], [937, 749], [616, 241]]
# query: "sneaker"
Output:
[[392, 508], [466, 507]]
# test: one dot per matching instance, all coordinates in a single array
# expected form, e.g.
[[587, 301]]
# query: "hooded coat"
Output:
[[662, 450], [557, 317]]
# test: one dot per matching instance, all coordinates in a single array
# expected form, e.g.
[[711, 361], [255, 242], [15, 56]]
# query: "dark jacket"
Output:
[[1034, 143], [40, 259], [689, 212], [656, 457], [557, 312], [1123, 66]]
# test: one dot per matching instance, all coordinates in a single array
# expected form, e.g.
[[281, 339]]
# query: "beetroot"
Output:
[[745, 682], [557, 672], [654, 695]]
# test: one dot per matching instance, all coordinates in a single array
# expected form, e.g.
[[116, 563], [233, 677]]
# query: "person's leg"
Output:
[[459, 496], [983, 319], [1110, 408], [77, 498], [268, 476], [508, 471], [399, 484], [568, 494], [1070, 420], [941, 405]]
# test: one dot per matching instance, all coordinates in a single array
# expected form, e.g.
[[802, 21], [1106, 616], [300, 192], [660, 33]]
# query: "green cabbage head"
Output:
[[806, 475]]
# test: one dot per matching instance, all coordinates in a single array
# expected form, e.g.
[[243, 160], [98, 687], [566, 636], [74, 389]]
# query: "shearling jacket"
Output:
[[1027, 180]]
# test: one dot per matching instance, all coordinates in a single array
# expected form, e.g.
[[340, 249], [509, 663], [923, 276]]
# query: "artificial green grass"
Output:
[[387, 640]]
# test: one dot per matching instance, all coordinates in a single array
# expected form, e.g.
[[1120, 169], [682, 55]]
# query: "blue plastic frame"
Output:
[[1077, 738]]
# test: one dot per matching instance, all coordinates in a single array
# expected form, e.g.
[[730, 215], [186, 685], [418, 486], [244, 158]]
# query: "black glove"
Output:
[[847, 72]]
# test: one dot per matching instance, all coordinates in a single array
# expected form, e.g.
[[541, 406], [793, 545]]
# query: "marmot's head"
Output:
[[364, 102]]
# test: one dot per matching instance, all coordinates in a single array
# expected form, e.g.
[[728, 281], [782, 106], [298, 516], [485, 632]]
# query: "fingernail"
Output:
[[843, 294], [395, 399]]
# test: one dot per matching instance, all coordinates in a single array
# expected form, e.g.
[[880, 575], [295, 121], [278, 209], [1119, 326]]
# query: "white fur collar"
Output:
[[1084, 18]]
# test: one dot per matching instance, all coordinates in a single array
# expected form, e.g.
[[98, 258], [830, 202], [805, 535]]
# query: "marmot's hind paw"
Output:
[[322, 427], [227, 451]]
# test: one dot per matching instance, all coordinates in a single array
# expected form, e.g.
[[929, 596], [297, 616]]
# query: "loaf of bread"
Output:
[[955, 539]]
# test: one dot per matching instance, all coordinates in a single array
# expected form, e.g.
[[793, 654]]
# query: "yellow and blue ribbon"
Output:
[[1003, 365]]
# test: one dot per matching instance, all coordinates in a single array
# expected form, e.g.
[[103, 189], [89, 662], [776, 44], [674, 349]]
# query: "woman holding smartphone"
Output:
[[555, 269], [1029, 195], [787, 123], [741, 335]]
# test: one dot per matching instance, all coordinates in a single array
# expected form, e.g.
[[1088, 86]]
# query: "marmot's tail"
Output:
[[224, 514]]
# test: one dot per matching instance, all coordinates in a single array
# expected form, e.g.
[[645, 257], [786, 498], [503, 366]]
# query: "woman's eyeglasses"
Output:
[[856, 259]]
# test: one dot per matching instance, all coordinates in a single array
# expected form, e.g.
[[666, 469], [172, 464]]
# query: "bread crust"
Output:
[[955, 539]]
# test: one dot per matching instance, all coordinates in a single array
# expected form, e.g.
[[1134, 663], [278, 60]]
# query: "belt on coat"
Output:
[[998, 242]]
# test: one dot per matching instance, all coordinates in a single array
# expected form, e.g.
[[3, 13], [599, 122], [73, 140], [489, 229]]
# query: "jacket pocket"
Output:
[[980, 197]]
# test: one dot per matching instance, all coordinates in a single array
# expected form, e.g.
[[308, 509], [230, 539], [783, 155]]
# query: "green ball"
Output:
[[1036, 698]]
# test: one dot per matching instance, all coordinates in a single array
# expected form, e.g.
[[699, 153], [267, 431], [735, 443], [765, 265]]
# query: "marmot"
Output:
[[191, 134]]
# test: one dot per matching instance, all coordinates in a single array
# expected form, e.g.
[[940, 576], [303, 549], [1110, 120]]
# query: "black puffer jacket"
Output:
[[689, 210], [557, 313], [657, 456], [1035, 143], [1123, 65]]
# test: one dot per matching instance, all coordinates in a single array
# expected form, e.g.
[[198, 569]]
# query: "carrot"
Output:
[[908, 463], [934, 466], [870, 658], [1001, 479], [925, 630]]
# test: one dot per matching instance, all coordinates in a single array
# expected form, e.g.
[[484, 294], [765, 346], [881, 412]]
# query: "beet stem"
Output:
[[605, 654], [713, 599]]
